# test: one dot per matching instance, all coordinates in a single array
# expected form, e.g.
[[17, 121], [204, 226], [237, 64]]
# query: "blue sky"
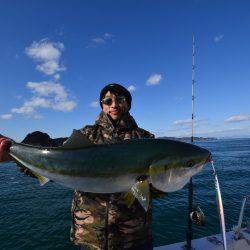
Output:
[[56, 56]]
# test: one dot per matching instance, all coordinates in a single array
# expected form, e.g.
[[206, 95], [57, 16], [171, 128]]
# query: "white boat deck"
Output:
[[214, 242]]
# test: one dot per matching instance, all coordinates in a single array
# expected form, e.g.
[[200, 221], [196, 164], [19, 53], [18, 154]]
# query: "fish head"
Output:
[[173, 171]]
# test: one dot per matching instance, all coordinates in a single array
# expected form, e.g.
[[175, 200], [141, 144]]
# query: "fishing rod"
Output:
[[189, 233], [193, 81]]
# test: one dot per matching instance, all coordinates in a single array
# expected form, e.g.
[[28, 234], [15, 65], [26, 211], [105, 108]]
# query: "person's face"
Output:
[[116, 108]]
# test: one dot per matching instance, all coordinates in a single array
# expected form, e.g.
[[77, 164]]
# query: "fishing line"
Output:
[[220, 206]]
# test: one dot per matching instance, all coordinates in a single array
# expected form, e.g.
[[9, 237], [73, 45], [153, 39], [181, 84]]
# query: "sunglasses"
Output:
[[108, 100]]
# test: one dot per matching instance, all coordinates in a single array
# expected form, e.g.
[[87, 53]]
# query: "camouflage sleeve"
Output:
[[87, 130], [90, 131], [145, 134]]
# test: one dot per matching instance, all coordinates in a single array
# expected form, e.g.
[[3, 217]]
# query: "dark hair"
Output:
[[116, 89]]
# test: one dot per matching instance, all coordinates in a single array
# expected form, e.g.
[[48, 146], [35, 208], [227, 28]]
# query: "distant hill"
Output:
[[188, 139]]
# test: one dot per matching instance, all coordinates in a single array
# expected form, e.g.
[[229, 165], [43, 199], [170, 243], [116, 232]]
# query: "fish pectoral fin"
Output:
[[42, 179], [141, 192], [77, 140]]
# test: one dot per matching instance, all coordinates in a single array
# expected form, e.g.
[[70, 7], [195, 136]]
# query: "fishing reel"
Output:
[[197, 216]]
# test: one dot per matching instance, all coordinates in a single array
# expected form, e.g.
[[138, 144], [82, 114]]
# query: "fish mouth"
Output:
[[209, 159]]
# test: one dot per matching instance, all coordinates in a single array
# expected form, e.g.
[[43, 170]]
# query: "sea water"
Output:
[[35, 217]]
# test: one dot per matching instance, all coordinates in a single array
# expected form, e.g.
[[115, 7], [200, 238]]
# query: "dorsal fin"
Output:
[[77, 140]]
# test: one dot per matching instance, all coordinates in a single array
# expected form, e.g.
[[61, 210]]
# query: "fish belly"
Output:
[[98, 184], [95, 184]]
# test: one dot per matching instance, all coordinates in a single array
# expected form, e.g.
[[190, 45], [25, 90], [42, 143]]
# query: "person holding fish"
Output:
[[104, 221]]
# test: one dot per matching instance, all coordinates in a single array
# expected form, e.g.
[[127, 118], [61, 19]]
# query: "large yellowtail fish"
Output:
[[129, 166]]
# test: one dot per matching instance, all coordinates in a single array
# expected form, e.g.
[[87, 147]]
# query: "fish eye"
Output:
[[190, 163]]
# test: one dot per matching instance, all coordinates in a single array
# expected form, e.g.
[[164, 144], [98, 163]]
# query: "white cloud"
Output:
[[26, 110], [45, 50], [182, 122], [131, 88], [154, 79], [50, 67], [238, 118], [94, 104], [48, 88], [64, 105], [48, 54], [98, 40], [57, 77], [204, 129], [179, 123], [46, 95], [103, 39], [226, 132], [6, 116], [38, 102], [218, 38]]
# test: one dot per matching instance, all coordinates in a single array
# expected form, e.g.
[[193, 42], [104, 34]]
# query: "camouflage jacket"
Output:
[[104, 221]]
